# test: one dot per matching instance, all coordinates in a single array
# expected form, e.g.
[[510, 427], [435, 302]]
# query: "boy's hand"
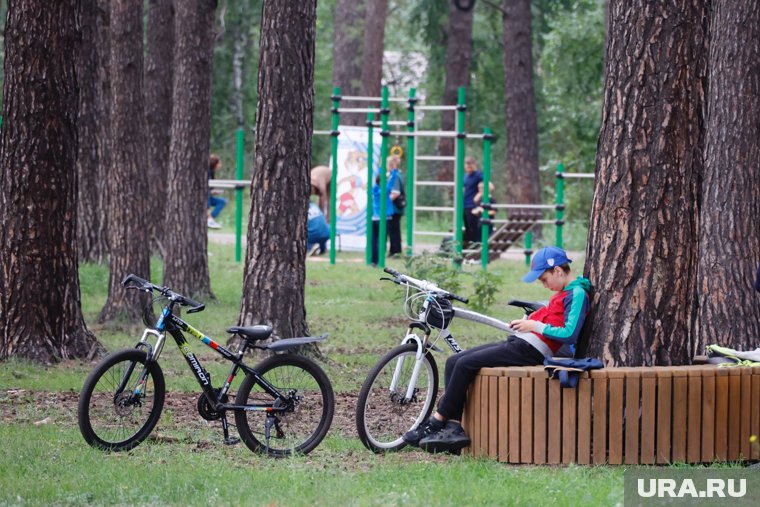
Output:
[[523, 325]]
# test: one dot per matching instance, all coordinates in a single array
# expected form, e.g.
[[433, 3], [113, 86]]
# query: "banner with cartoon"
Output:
[[351, 185]]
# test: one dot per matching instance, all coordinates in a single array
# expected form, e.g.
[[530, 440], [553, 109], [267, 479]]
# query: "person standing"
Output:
[[376, 193], [398, 198], [472, 176], [215, 200], [318, 231]]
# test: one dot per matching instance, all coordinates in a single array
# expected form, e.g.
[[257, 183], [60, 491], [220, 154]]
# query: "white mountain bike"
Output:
[[401, 388]]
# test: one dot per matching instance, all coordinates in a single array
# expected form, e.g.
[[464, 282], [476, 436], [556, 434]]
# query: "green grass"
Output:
[[50, 463]]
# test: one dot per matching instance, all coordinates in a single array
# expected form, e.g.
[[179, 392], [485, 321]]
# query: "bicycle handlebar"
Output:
[[424, 285], [145, 285]]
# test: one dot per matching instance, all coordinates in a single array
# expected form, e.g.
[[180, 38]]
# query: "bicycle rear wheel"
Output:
[[382, 412], [308, 396], [111, 415]]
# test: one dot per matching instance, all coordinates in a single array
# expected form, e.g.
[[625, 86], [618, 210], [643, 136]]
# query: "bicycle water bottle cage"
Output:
[[252, 333]]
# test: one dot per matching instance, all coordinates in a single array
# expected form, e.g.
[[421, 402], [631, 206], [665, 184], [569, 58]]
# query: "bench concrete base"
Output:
[[645, 415]]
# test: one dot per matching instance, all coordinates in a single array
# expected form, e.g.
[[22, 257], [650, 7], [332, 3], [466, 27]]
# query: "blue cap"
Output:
[[546, 258]]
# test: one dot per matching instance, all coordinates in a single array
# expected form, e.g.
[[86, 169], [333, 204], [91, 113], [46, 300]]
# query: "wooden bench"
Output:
[[645, 415]]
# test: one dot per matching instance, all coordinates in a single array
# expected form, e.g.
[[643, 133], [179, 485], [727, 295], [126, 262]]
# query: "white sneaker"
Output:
[[314, 250], [213, 224]]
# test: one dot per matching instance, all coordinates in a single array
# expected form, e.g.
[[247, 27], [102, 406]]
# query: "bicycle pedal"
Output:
[[231, 441]]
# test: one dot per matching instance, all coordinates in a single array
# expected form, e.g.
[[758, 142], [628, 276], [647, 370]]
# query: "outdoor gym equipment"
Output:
[[283, 406]]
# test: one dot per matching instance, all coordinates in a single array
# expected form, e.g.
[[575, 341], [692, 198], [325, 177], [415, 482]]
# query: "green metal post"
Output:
[[370, 166], [528, 247], [459, 192], [239, 158], [486, 199], [334, 178], [560, 202], [381, 240], [410, 174]]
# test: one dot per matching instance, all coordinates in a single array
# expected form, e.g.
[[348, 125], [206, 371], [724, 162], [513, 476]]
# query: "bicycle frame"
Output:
[[423, 344], [176, 326]]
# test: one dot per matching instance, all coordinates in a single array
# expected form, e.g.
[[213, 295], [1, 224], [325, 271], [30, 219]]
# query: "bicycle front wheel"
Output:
[[121, 401], [308, 396], [384, 410]]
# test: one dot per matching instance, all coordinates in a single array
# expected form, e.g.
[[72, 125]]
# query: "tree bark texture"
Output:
[[159, 66], [522, 132], [374, 46], [458, 58], [348, 46], [729, 235], [91, 221], [128, 208], [641, 252], [40, 312], [275, 274], [186, 262]]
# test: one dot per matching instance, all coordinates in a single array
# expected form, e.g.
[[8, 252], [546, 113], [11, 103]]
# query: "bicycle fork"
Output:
[[411, 388]]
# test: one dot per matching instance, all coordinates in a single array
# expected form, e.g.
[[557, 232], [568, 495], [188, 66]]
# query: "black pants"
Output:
[[394, 233], [471, 226], [461, 369]]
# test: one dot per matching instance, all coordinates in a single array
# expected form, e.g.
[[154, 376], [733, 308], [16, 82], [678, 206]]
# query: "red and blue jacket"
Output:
[[561, 320]]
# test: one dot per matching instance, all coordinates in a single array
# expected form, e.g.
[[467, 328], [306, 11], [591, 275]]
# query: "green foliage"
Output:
[[485, 288], [437, 267]]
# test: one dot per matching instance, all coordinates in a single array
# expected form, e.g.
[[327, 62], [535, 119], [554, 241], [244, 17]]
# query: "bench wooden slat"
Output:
[[694, 441], [526, 420], [615, 421], [475, 427], [569, 424], [493, 417], [540, 399], [734, 413], [680, 404], [664, 416], [632, 414], [484, 396], [555, 423], [599, 400], [721, 414], [584, 421], [746, 404], [648, 407], [707, 416], [503, 418], [514, 420]]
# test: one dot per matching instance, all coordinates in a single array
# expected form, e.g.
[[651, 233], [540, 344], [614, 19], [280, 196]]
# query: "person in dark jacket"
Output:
[[535, 338]]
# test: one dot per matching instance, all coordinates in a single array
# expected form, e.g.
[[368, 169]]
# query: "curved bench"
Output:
[[644, 415]]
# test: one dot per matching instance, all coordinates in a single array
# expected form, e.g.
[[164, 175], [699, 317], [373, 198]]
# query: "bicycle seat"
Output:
[[252, 333], [528, 306]]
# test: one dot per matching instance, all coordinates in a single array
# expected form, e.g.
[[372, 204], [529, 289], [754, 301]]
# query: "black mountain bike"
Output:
[[283, 406]]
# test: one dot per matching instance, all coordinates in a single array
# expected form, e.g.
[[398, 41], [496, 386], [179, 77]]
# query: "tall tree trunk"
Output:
[[458, 58], [158, 109], [242, 45], [275, 273], [103, 119], [641, 253], [348, 45], [374, 45], [91, 230], [186, 263], [522, 133], [40, 312], [128, 207], [729, 236]]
